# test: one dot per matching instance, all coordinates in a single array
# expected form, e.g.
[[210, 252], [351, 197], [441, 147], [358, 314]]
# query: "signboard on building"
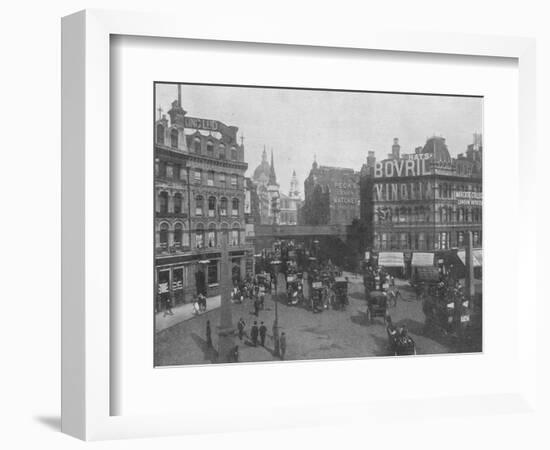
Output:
[[197, 123], [469, 198], [391, 259], [403, 167]]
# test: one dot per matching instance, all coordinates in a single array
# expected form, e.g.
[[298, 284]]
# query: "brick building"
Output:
[[199, 193]]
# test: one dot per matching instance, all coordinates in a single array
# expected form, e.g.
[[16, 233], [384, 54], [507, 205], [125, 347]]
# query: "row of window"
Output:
[[446, 190], [424, 241], [443, 214], [197, 145], [203, 237], [213, 209], [198, 176]]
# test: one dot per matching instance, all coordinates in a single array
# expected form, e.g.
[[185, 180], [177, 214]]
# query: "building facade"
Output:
[[425, 200], [199, 193], [331, 196]]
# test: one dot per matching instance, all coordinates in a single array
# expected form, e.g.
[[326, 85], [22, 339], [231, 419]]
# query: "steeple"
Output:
[[272, 176], [264, 155], [294, 192]]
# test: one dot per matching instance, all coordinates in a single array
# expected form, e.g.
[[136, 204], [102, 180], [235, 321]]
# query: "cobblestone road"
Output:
[[331, 334]]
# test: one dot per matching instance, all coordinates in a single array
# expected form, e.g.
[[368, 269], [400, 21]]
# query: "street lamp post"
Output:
[[226, 341], [276, 348]]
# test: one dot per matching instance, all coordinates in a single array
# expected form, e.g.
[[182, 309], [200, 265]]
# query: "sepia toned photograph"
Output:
[[296, 224]]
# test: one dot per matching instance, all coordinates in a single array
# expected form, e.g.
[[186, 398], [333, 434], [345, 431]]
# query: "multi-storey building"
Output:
[[426, 200], [331, 196], [199, 193]]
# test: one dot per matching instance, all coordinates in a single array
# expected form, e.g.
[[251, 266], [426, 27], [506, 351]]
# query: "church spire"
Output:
[[264, 155], [272, 176]]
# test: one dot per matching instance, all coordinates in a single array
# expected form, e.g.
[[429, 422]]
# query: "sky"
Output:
[[339, 128]]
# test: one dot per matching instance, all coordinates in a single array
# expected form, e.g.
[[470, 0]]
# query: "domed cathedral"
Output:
[[267, 188], [199, 195]]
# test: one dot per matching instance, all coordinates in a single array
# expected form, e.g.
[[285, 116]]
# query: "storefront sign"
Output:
[[402, 167], [163, 288], [469, 198]]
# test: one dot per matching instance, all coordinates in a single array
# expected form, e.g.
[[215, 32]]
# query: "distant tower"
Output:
[[272, 176], [294, 191]]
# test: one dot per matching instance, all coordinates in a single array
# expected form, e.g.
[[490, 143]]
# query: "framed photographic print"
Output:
[[306, 211]]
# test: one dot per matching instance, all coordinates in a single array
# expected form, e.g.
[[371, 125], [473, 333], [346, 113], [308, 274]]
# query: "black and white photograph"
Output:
[[296, 224]]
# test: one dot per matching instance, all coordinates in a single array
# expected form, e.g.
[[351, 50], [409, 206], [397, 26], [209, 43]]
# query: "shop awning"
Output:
[[391, 259], [477, 256], [422, 259]]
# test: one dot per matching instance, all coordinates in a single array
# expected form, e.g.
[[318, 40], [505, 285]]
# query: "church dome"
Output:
[[262, 171], [437, 148]]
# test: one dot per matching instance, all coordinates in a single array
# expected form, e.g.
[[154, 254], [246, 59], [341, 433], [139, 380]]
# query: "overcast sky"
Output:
[[339, 127]]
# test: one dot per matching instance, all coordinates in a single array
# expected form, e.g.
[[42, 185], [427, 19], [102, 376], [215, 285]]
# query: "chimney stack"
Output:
[[396, 148]]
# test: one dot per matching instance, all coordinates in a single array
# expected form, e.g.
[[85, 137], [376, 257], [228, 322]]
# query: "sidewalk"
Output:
[[182, 313]]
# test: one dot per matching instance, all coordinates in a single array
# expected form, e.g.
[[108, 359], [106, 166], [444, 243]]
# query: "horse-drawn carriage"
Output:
[[340, 288], [294, 290], [377, 304]]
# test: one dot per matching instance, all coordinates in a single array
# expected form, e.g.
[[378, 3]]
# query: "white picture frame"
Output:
[[86, 383]]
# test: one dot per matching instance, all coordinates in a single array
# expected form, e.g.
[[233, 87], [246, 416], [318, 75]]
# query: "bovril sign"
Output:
[[406, 167]]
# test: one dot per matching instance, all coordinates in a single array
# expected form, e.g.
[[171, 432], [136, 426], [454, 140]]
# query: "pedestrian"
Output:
[[282, 345], [208, 334], [196, 307], [256, 307], [168, 307], [263, 332], [254, 334], [240, 327]]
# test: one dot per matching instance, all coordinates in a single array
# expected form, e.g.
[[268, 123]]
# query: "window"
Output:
[[222, 180], [235, 236], [174, 138], [160, 134], [476, 239], [211, 206], [442, 242], [210, 149], [235, 207], [199, 205], [211, 239], [212, 271], [233, 153], [197, 145], [163, 202], [223, 206], [169, 171], [460, 238], [210, 178], [233, 181], [178, 234], [199, 236], [177, 203], [384, 241], [222, 151], [163, 235], [183, 174], [198, 175], [179, 278]]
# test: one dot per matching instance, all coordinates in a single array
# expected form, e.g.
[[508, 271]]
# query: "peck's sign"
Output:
[[402, 167]]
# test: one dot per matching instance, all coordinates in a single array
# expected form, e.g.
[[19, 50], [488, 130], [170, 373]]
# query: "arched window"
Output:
[[163, 202], [210, 178], [223, 206], [235, 207], [233, 153], [211, 239], [210, 149], [160, 134], [178, 203], [211, 206], [199, 236], [178, 234], [174, 138], [221, 149], [197, 145], [199, 205], [235, 234], [163, 235]]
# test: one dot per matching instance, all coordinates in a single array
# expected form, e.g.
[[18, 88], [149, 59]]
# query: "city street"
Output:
[[330, 334]]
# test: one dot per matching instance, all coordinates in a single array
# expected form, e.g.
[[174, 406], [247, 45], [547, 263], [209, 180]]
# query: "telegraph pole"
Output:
[[226, 331]]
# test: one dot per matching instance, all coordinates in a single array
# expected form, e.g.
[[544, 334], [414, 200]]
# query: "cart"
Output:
[[340, 293], [377, 304]]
